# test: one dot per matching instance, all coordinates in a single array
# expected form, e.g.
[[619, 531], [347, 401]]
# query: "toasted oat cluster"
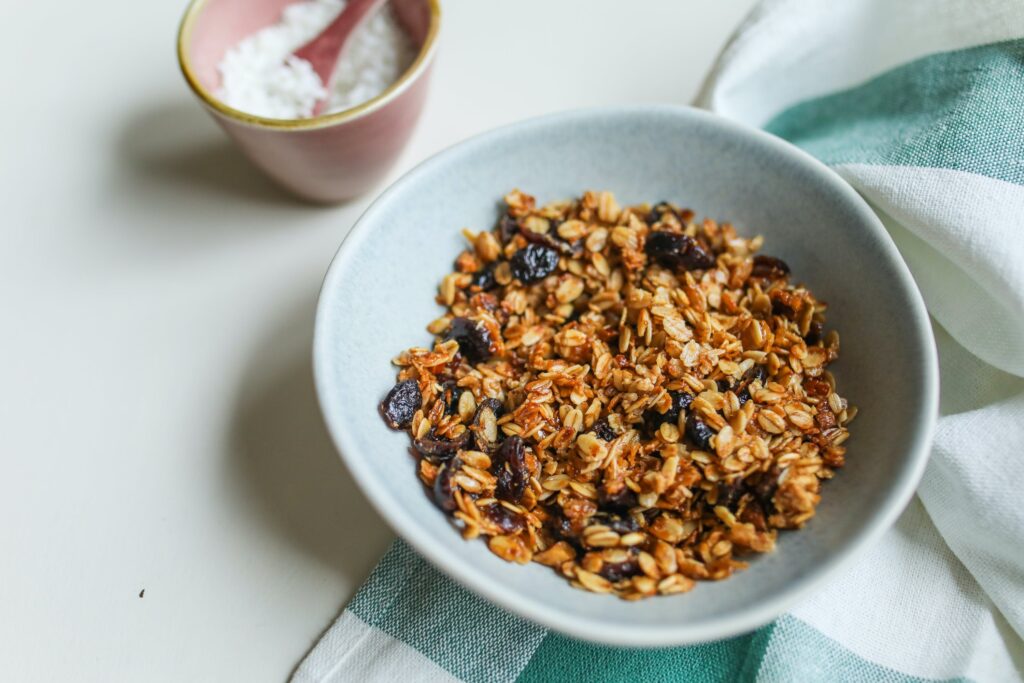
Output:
[[627, 395]]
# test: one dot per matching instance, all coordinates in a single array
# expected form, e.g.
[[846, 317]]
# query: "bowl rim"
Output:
[[637, 635], [411, 74]]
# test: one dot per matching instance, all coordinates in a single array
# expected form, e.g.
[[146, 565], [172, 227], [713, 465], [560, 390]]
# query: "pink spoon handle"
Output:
[[324, 51]]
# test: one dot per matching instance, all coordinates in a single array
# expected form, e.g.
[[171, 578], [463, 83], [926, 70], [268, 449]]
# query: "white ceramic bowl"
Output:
[[378, 297]]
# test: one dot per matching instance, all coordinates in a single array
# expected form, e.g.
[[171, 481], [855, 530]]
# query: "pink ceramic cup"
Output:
[[328, 158]]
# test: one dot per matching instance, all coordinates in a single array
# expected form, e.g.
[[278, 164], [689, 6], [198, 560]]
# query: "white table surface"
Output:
[[158, 427]]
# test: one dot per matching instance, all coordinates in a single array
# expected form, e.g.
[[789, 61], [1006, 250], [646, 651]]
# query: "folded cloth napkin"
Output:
[[919, 104]]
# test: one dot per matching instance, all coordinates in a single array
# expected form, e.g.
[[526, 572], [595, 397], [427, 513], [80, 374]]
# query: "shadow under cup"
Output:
[[329, 158]]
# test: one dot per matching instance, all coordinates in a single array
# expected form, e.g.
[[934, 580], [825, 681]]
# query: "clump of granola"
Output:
[[629, 396]]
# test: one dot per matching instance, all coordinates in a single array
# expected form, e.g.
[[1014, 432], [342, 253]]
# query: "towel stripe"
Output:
[[786, 650], [409, 601], [957, 110], [562, 659]]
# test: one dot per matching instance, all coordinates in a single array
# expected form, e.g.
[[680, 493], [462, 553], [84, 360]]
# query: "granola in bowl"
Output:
[[634, 398]]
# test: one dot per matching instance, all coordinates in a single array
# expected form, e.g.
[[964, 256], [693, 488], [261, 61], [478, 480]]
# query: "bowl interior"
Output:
[[378, 298], [214, 26]]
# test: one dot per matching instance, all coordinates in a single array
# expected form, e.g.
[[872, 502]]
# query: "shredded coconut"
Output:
[[260, 75]]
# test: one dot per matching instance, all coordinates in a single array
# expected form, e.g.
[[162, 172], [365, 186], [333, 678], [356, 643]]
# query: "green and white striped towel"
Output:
[[919, 104]]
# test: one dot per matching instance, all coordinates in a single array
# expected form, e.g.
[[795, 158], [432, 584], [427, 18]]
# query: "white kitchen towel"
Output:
[[919, 104]]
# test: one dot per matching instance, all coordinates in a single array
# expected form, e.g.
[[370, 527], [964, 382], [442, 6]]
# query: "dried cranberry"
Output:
[[473, 338], [561, 528], [620, 524], [509, 466], [533, 262], [672, 250], [507, 228], [617, 571], [509, 522], [764, 489], [681, 400], [558, 523], [756, 373], [730, 493], [753, 513], [603, 430], [825, 418], [440, 449], [483, 279], [699, 432], [784, 302], [780, 307], [620, 501], [450, 394], [769, 267], [817, 387], [401, 403], [814, 332], [444, 491]]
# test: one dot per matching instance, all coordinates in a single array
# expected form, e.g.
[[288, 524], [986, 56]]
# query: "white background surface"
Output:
[[158, 428]]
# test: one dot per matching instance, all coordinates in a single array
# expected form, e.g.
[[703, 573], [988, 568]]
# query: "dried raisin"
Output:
[[672, 250], [699, 432], [509, 466], [681, 400], [769, 267], [533, 263], [401, 403], [474, 340]]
